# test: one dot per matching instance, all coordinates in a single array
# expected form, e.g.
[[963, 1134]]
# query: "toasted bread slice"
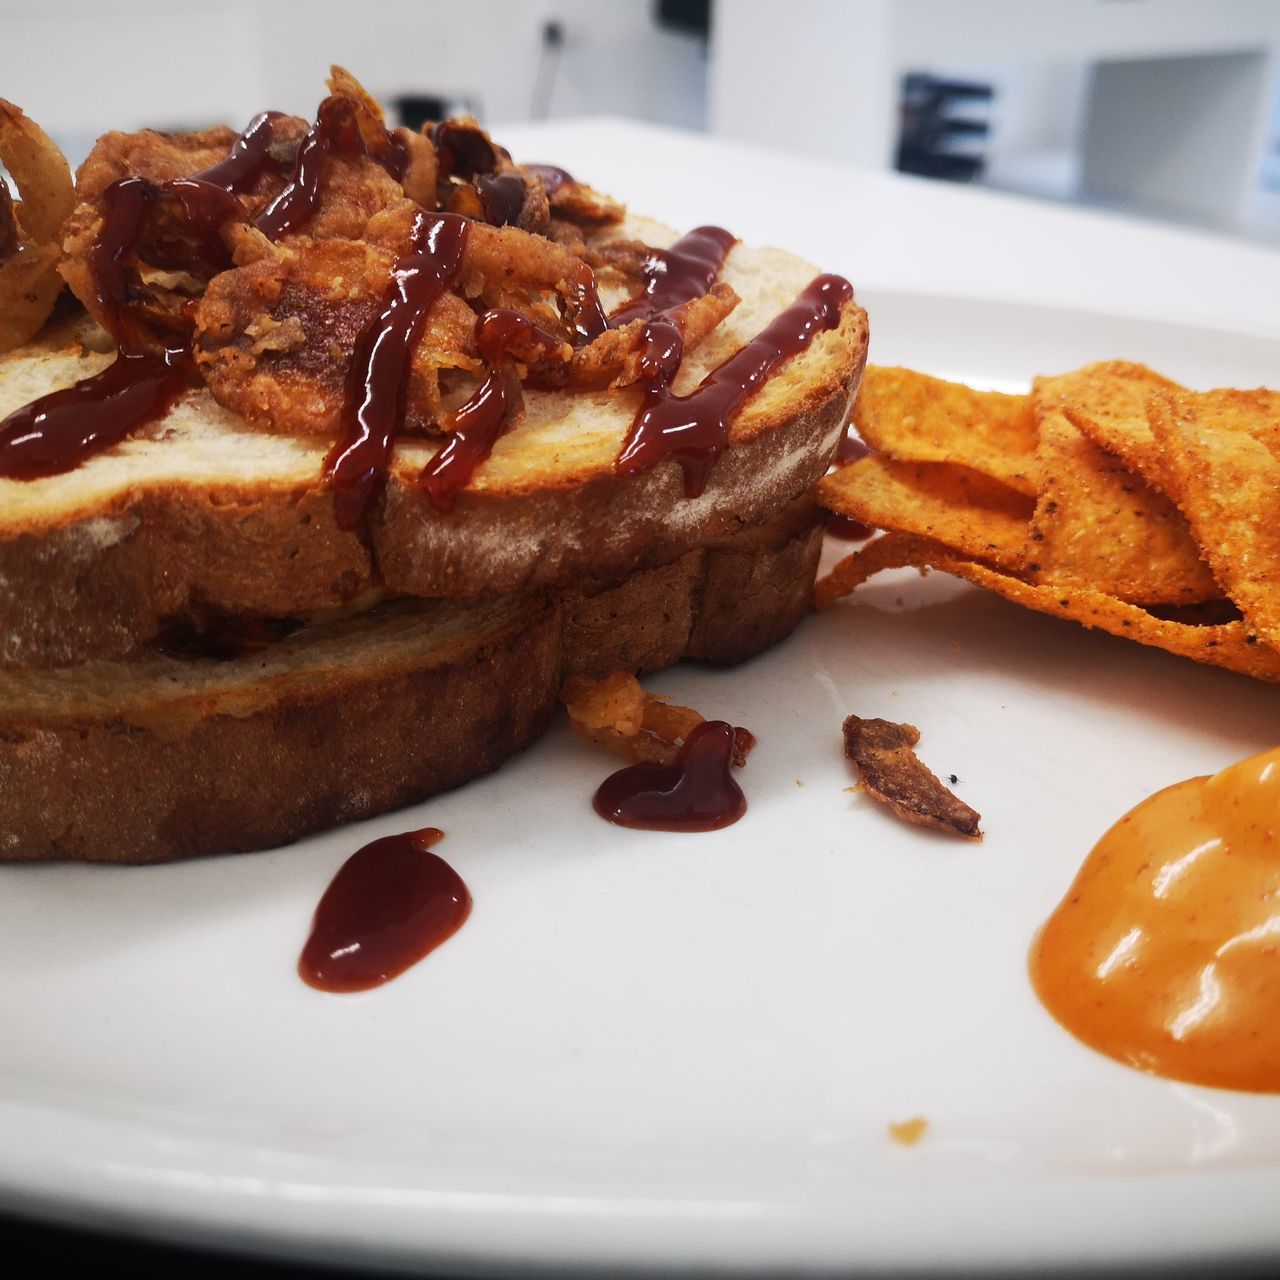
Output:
[[201, 510], [159, 757]]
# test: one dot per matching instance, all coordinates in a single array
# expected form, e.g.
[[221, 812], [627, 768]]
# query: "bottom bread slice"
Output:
[[160, 757]]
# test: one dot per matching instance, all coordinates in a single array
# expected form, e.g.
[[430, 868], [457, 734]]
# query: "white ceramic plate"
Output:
[[649, 1049]]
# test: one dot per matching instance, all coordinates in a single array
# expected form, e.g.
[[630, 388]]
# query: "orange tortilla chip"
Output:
[[1232, 645], [1108, 403], [1220, 456], [915, 418], [1100, 525], [892, 551], [953, 505]]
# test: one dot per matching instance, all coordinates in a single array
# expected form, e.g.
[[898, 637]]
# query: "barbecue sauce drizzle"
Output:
[[850, 449], [475, 426], [58, 431], [390, 904], [373, 408], [694, 429], [336, 130], [696, 792], [679, 274]]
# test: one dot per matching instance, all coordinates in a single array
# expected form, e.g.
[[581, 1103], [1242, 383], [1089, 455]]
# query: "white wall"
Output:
[[82, 66]]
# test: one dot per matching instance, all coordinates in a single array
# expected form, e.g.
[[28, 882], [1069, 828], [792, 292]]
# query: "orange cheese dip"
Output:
[[1165, 953]]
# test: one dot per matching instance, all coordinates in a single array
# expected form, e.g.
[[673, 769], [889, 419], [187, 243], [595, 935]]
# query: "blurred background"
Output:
[[1160, 108]]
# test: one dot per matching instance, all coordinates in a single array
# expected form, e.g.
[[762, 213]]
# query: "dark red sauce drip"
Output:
[[205, 209], [848, 529], [850, 449], [586, 314], [851, 446], [475, 427], [679, 274], [501, 197], [250, 153], [126, 206], [694, 429], [373, 411], [57, 432], [390, 904], [695, 793], [336, 130], [551, 176]]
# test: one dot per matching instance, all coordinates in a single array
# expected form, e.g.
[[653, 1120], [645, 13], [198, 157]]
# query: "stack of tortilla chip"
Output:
[[1111, 496]]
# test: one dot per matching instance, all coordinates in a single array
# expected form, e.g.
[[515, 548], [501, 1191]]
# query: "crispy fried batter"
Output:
[[893, 773], [29, 281], [464, 149], [624, 258], [8, 222], [577, 202], [616, 713], [613, 359], [159, 299], [353, 189], [273, 339]]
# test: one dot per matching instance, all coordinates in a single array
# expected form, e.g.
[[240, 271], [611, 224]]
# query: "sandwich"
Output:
[[345, 446]]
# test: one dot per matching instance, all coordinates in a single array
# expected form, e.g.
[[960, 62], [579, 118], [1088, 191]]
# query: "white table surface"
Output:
[[894, 232]]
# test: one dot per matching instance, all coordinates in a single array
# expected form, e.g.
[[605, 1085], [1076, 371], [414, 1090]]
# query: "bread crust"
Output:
[[258, 765], [100, 583], [108, 789]]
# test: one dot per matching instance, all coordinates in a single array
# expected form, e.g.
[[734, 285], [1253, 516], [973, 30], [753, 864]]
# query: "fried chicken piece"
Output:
[[577, 202], [613, 359], [170, 265], [148, 153], [464, 149], [616, 713], [892, 772], [273, 339], [29, 280], [501, 200]]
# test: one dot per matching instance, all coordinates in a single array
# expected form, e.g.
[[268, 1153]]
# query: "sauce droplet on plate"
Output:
[[391, 903], [696, 792], [1165, 953]]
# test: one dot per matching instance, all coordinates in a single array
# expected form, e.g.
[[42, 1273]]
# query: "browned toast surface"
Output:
[[159, 757]]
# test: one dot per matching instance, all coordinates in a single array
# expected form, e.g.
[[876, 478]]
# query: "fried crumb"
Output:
[[908, 1132], [893, 773]]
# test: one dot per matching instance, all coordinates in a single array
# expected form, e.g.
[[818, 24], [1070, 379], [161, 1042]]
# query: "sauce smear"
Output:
[[679, 274], [58, 431], [697, 792], [373, 410], [850, 449], [694, 429], [474, 427], [1165, 952], [391, 903]]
